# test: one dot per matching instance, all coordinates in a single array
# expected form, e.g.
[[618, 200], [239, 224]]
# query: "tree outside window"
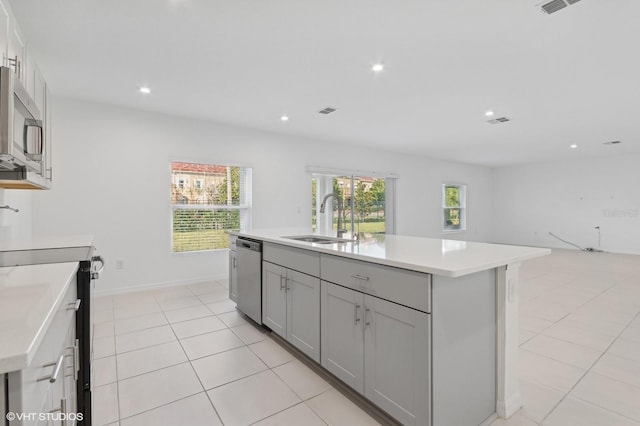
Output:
[[367, 205], [207, 201], [454, 207]]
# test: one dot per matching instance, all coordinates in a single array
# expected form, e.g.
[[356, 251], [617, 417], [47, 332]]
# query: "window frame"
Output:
[[245, 205], [390, 180], [462, 207]]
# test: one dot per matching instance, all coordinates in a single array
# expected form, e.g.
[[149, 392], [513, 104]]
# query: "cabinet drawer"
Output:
[[401, 286], [26, 392], [304, 261]]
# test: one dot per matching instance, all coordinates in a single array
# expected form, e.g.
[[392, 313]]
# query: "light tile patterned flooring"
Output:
[[183, 355]]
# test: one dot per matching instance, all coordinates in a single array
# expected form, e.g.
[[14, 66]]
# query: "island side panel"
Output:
[[464, 348], [508, 399]]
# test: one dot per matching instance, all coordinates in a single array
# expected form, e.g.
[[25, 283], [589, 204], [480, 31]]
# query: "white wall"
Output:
[[112, 180], [569, 198], [16, 225]]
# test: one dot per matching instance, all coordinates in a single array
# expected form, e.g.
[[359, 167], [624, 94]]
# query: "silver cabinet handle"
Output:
[[235, 262], [56, 370], [366, 311], [360, 277], [74, 306], [282, 283], [356, 314], [62, 409], [76, 356], [15, 63], [286, 284]]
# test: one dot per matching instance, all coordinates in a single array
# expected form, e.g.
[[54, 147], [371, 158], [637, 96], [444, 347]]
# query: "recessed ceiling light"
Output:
[[377, 67], [284, 118], [144, 89], [573, 146], [489, 113]]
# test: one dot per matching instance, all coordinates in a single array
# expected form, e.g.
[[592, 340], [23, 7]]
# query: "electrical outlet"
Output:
[[119, 264]]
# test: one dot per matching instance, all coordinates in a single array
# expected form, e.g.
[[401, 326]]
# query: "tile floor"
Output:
[[184, 355]]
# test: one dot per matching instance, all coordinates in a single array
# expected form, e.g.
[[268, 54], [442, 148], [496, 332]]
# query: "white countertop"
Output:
[[49, 242], [29, 299], [449, 258], [52, 249]]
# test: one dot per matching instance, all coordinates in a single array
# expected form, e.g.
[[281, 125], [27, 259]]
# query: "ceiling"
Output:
[[572, 77]]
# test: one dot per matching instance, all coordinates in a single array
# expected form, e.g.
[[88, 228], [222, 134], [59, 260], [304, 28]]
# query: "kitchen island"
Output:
[[425, 329]]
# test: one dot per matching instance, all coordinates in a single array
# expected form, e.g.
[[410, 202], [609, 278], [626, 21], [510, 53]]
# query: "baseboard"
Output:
[[153, 286], [507, 408]]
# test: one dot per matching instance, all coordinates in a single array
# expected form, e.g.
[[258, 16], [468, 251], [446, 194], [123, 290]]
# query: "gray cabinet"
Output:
[[380, 349], [291, 307], [342, 340], [397, 360], [274, 298]]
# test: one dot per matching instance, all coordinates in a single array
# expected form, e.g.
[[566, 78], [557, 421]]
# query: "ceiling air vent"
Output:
[[553, 6], [327, 110], [556, 5], [612, 143], [498, 120]]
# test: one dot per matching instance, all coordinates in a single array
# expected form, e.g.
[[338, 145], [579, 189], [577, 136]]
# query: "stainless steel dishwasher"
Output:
[[249, 267]]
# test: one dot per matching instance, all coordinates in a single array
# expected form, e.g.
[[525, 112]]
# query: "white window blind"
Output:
[[207, 200]]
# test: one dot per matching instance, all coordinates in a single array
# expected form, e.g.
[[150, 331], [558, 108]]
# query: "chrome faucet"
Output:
[[323, 205]]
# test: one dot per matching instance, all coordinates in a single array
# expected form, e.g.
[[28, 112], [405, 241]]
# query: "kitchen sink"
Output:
[[318, 239]]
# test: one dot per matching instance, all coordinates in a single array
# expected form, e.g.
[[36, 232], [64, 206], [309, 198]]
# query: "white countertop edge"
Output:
[[458, 272], [47, 242], [22, 360]]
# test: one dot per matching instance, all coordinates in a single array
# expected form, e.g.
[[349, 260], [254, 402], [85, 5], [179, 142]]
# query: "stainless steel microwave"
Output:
[[22, 143]]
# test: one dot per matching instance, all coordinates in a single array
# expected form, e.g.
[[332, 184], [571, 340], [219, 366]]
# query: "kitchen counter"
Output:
[[30, 296], [41, 250], [448, 258], [451, 264]]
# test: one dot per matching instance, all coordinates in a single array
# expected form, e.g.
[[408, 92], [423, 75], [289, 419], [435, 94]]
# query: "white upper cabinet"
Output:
[[18, 56], [17, 52], [4, 32], [36, 85]]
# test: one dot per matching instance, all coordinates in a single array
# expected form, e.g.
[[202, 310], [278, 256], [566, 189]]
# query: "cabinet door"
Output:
[[70, 372], [4, 32], [341, 334], [48, 135], [397, 360], [303, 313], [274, 298], [233, 276], [36, 87], [17, 51]]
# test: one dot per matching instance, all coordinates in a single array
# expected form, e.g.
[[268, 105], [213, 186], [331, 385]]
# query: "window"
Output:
[[217, 200], [361, 204], [454, 207]]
